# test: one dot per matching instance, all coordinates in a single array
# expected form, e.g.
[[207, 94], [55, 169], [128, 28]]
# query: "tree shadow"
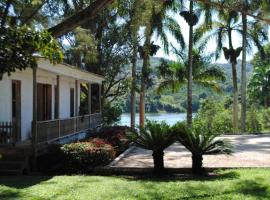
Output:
[[255, 188], [21, 182], [168, 177]]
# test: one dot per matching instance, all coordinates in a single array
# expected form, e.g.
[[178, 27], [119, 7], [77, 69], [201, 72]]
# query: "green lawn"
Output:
[[231, 184]]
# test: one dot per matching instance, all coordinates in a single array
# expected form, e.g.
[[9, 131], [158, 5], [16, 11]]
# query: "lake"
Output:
[[169, 118]]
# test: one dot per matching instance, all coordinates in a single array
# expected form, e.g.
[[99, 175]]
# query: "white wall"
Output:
[[26, 100], [26, 78]]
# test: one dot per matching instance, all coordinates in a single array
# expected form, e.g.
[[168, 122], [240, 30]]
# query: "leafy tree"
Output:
[[17, 46], [200, 140], [259, 84]]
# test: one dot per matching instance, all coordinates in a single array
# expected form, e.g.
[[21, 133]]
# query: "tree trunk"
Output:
[[244, 76], [190, 63], [79, 18], [133, 88], [235, 98], [144, 73], [158, 157], [197, 164]]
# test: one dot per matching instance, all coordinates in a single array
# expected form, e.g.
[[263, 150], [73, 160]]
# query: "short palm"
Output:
[[156, 137], [200, 141]]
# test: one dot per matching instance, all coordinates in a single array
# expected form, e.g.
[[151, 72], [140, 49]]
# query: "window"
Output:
[[44, 102]]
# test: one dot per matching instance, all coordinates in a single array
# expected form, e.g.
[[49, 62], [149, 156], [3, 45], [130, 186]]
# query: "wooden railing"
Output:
[[54, 129], [7, 133]]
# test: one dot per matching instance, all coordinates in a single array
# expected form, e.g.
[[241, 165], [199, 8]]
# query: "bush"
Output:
[[266, 119], [254, 120], [214, 114], [82, 157], [116, 136]]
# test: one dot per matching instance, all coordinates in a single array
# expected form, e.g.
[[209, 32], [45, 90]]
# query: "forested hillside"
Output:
[[176, 102]]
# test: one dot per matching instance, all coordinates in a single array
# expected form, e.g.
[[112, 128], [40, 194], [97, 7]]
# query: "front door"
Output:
[[16, 110], [44, 102]]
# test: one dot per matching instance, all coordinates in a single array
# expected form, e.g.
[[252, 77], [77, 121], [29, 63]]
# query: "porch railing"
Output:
[[54, 129], [7, 132]]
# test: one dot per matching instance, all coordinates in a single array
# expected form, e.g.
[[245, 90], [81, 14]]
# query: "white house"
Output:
[[44, 104]]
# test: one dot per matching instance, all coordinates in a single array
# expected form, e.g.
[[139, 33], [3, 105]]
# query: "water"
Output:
[[169, 118]]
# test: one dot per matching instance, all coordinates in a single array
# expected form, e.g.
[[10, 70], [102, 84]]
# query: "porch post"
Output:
[[57, 97], [89, 103], [89, 98], [100, 102], [76, 105], [76, 99], [34, 123]]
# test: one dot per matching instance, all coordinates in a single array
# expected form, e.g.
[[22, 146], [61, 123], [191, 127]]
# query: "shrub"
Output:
[[84, 156], [254, 120], [214, 114], [266, 119], [116, 136]]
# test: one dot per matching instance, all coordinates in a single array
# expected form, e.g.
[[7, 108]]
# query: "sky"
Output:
[[237, 42]]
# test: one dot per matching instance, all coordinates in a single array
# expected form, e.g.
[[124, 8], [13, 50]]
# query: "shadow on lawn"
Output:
[[21, 182], [256, 189], [184, 177]]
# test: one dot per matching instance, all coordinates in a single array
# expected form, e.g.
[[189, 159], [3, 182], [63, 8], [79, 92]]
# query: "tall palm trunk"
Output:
[[190, 62], [235, 98], [243, 74], [146, 58], [235, 87], [133, 87]]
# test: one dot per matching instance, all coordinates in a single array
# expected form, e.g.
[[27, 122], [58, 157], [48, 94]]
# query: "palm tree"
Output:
[[222, 30], [159, 22], [200, 141], [156, 137], [192, 20], [175, 75]]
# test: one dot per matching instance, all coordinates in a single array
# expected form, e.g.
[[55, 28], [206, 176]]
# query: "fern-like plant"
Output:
[[200, 141], [156, 137]]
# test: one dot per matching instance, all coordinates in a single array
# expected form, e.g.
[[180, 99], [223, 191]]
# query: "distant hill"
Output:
[[169, 102], [155, 61]]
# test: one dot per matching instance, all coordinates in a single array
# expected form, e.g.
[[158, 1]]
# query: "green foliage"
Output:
[[213, 114], [17, 46], [174, 74], [111, 113], [266, 119], [254, 120], [259, 84], [200, 140], [82, 157], [155, 136], [116, 136]]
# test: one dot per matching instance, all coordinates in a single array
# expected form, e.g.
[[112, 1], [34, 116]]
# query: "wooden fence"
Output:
[[7, 135], [54, 129]]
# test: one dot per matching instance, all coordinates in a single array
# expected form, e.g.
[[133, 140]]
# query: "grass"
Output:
[[231, 184]]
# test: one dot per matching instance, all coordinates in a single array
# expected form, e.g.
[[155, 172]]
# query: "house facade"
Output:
[[47, 103]]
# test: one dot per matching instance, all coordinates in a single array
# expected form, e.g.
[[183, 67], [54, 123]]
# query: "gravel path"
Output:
[[249, 151]]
